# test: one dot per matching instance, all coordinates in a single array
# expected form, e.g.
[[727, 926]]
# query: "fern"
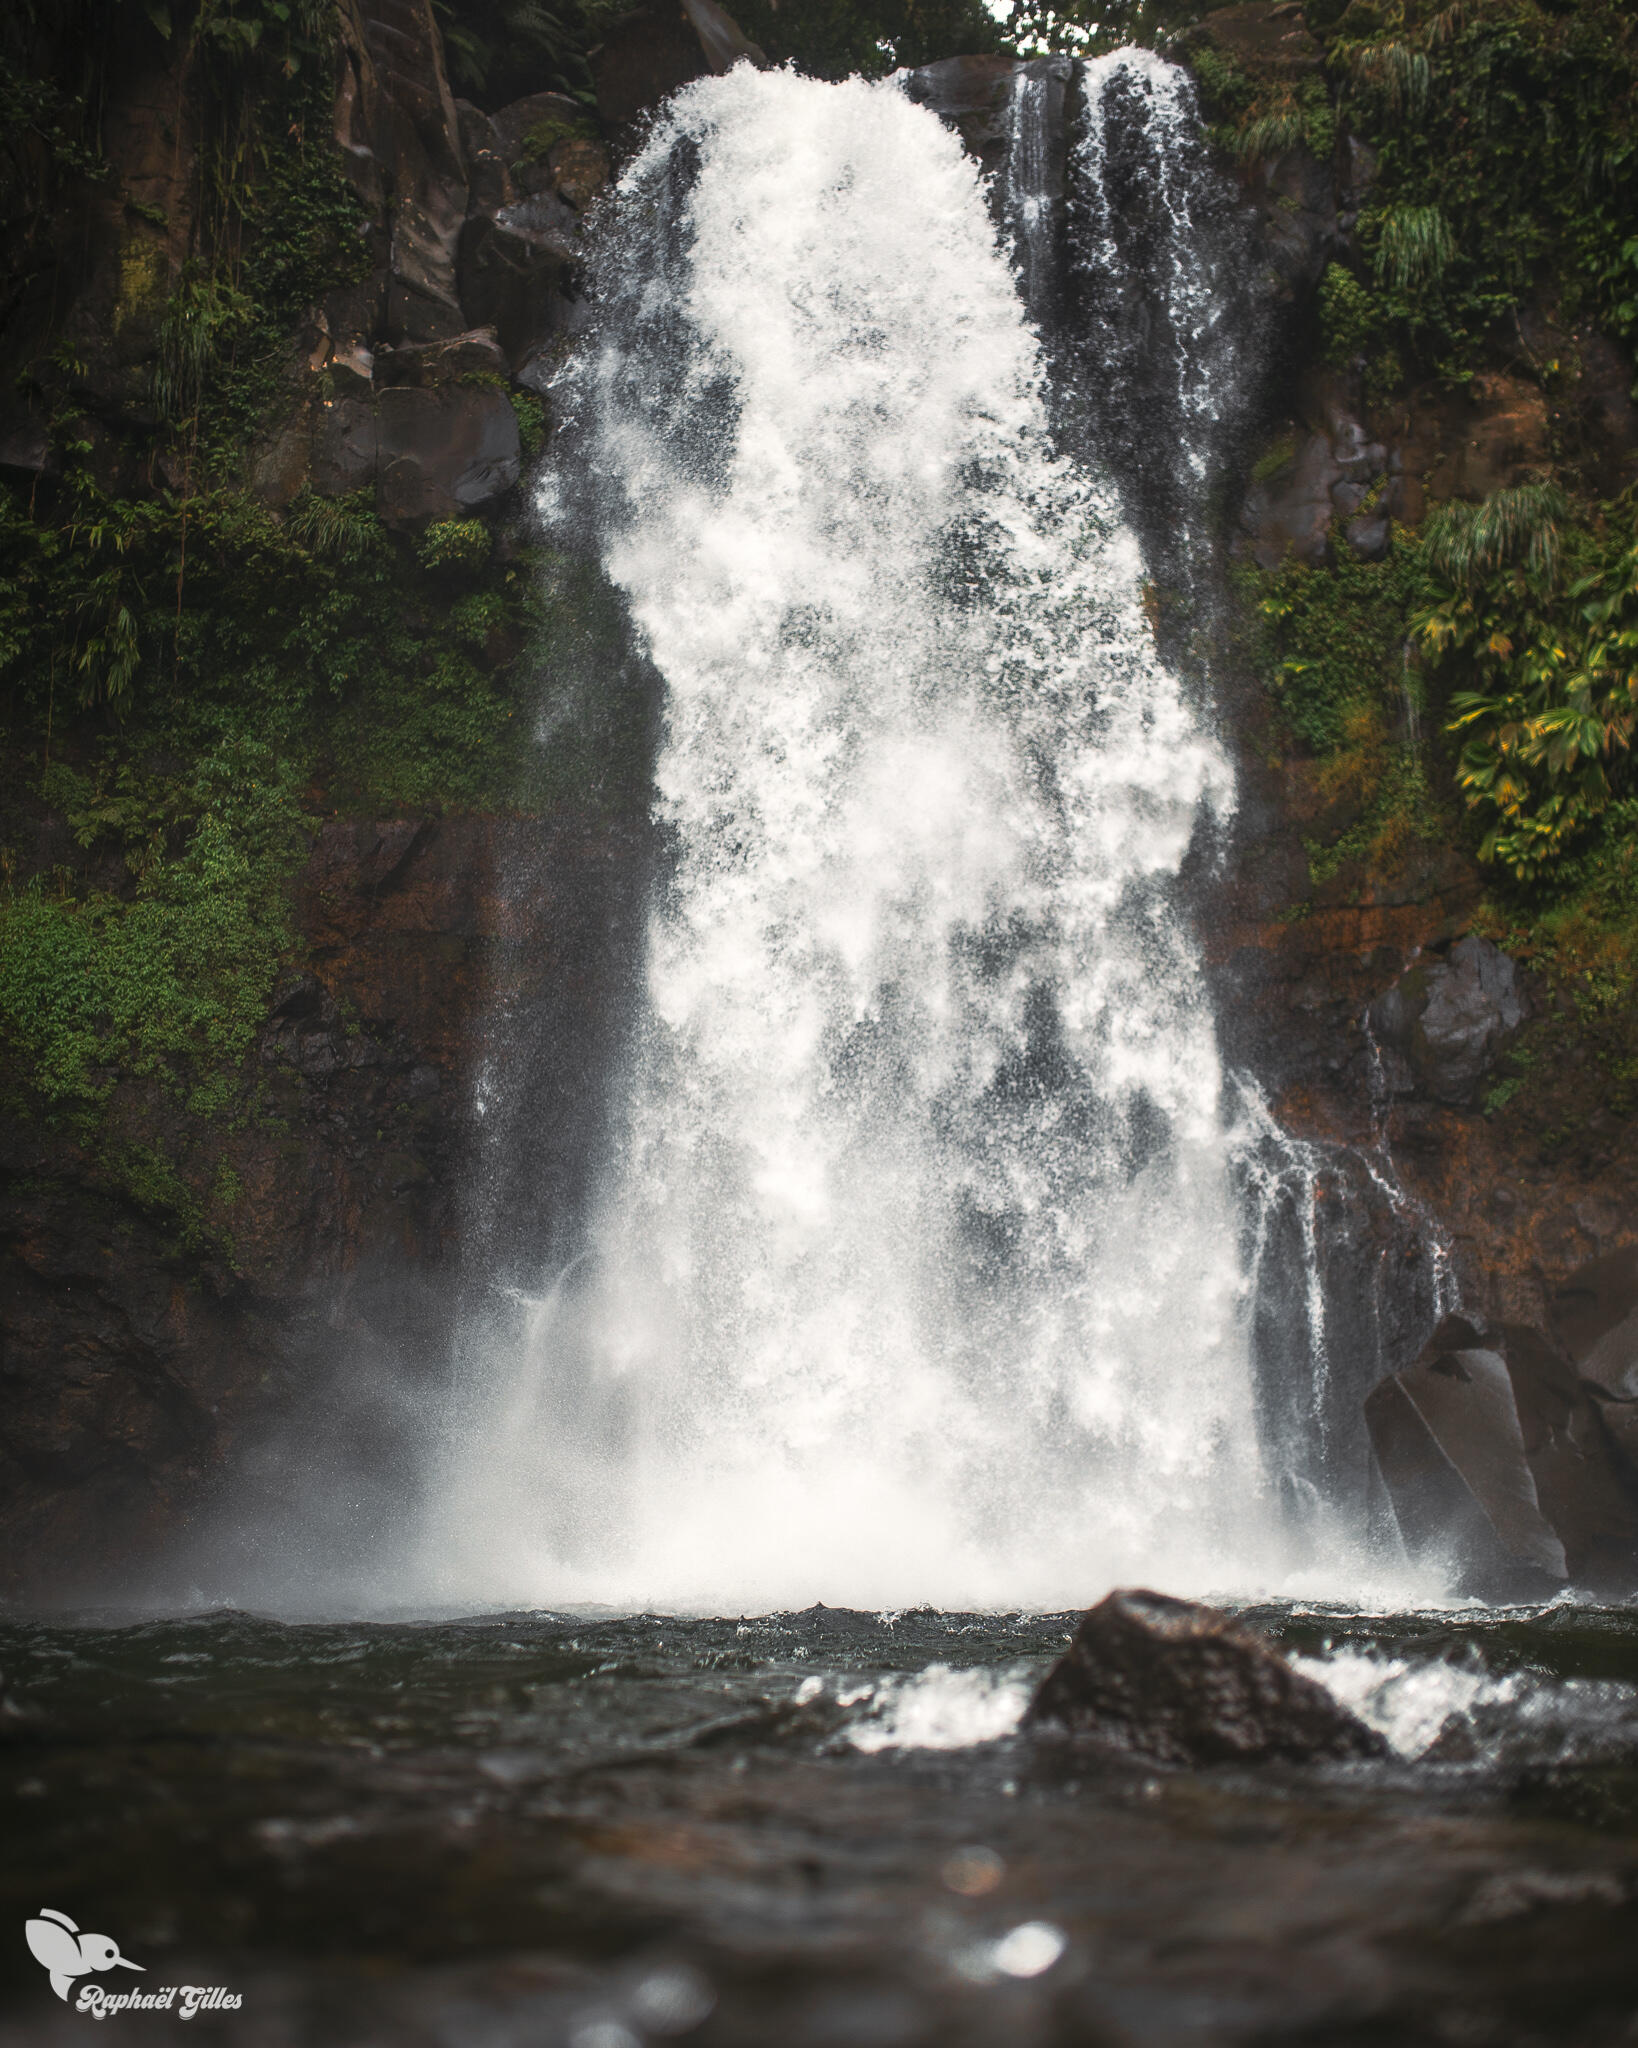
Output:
[[1512, 528], [1416, 247]]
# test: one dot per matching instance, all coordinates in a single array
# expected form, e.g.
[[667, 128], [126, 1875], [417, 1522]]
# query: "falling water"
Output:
[[1163, 320], [915, 1272]]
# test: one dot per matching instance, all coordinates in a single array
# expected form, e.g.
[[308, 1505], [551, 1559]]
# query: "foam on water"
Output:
[[915, 1274], [938, 1709], [1478, 1716]]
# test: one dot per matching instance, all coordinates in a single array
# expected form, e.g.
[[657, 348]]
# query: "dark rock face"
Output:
[[444, 453], [1184, 1684], [652, 52], [1594, 1316], [137, 1375], [399, 131], [1335, 474], [1501, 1467], [970, 95], [1442, 1024]]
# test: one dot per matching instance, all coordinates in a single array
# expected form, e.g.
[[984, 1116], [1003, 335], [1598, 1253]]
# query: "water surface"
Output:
[[811, 1828]]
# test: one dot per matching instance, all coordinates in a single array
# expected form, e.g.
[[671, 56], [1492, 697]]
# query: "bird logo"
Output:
[[58, 1945]]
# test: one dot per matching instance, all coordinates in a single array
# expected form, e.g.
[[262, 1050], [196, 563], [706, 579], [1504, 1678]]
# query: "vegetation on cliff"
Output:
[[195, 672], [1475, 678]]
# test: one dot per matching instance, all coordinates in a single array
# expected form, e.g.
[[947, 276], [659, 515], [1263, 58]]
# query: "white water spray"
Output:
[[915, 1273]]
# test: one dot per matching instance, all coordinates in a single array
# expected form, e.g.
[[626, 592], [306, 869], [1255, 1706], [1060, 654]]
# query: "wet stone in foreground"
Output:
[[1183, 1684]]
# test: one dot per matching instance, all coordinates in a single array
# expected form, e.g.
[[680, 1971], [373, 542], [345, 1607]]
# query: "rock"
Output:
[[1331, 473], [444, 452], [1450, 1447], [515, 272], [646, 56], [721, 37], [282, 463], [425, 366], [306, 1030], [550, 113], [580, 170], [489, 176], [1592, 1315], [25, 447], [400, 135], [1501, 441], [345, 447], [1442, 1025], [1500, 1466], [1184, 1684], [652, 52], [972, 95]]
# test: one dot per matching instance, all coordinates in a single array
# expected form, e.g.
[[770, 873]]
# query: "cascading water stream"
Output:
[[915, 1275]]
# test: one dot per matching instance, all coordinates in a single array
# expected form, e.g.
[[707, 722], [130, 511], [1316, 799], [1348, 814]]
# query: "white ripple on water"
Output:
[[1485, 1717]]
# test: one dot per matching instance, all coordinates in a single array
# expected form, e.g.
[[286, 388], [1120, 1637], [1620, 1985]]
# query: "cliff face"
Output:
[[142, 1358], [194, 1251]]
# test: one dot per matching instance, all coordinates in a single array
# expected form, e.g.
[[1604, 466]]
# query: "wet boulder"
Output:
[[1185, 1684], [446, 452], [516, 268], [1500, 1467], [1332, 473], [1443, 1024], [972, 95]]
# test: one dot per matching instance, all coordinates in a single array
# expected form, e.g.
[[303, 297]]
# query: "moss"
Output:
[[545, 135], [1275, 461], [1328, 641]]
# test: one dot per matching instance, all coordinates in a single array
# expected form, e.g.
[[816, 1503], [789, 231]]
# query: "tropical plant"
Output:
[[1551, 665]]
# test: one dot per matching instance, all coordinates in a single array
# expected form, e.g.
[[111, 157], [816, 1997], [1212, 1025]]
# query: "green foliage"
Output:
[[461, 545], [1548, 658], [1082, 28], [311, 633], [201, 315], [1348, 320], [1413, 247], [173, 982], [1329, 646], [242, 33], [1252, 117], [531, 417], [1330, 641], [1507, 133]]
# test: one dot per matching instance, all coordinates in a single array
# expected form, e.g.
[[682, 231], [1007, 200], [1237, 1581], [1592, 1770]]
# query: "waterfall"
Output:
[[1163, 322], [914, 1274]]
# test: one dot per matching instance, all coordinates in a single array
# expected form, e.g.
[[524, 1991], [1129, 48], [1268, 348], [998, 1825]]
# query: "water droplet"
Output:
[[674, 2000], [1030, 1949]]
